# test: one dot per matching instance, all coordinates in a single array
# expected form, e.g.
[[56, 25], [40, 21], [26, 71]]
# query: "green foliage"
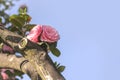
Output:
[[22, 11], [5, 5], [59, 67], [20, 22], [55, 51], [17, 21]]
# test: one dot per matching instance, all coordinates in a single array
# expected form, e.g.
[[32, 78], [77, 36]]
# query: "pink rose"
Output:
[[7, 49], [34, 33], [44, 33], [4, 76], [49, 34]]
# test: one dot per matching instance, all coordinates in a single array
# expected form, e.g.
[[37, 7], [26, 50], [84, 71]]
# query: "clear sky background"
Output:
[[90, 35]]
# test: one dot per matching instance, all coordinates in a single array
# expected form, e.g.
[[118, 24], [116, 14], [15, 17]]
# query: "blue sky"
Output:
[[90, 35]]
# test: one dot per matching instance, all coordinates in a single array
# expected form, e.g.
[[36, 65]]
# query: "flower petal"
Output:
[[34, 33], [49, 34]]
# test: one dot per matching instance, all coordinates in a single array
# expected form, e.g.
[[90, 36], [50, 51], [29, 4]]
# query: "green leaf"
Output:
[[25, 10], [53, 44], [61, 68], [55, 51], [17, 21], [20, 11], [26, 17], [55, 63]]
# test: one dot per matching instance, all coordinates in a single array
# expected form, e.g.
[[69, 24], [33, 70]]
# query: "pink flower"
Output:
[[4, 76], [44, 33], [34, 33], [49, 34], [7, 49]]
